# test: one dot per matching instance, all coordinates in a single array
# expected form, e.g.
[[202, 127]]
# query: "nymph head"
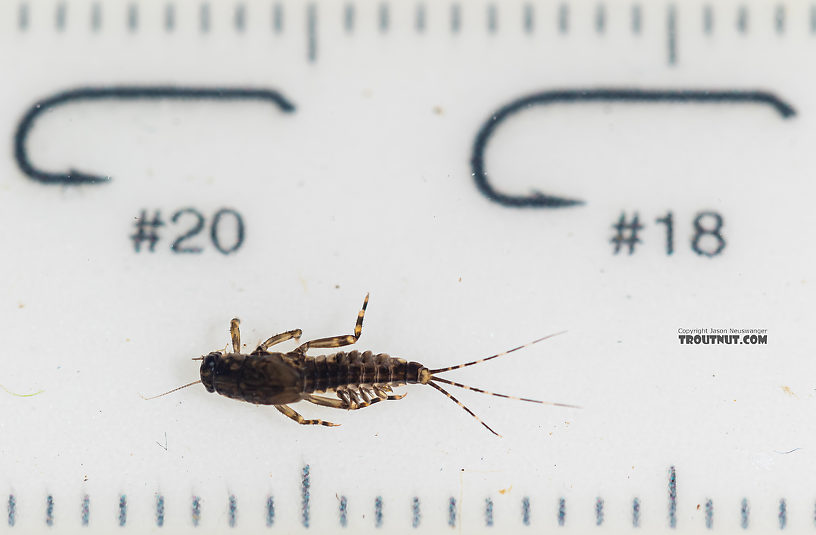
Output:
[[208, 365]]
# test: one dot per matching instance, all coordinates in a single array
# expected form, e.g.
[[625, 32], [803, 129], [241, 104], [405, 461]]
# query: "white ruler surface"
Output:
[[639, 174]]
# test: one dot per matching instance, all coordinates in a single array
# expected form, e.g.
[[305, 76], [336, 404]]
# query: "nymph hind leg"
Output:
[[278, 338], [288, 411], [326, 402], [371, 394], [351, 400], [383, 391], [338, 341], [345, 402]]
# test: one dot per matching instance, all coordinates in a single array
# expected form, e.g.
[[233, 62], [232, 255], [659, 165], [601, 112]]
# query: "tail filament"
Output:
[[435, 380]]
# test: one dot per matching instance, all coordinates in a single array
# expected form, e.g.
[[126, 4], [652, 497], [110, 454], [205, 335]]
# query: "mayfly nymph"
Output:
[[358, 379]]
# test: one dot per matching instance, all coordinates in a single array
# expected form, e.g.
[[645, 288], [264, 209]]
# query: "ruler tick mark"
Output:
[[277, 18], [12, 510], [169, 17], [742, 20], [60, 17], [122, 510], [492, 18], [96, 17], [672, 498], [348, 18], [563, 19], [196, 511], [600, 19], [562, 511], [455, 18], [420, 18], [813, 19], [415, 514], [49, 511], [529, 18], [745, 512], [671, 34], [525, 511], [378, 511], [599, 511], [233, 510], [488, 512], [22, 17], [85, 511], [133, 17], [708, 19], [270, 511], [204, 17], [304, 490], [452, 512], [383, 17], [343, 511], [709, 514], [240, 18], [779, 19], [159, 510], [636, 513], [311, 31], [637, 19], [783, 514]]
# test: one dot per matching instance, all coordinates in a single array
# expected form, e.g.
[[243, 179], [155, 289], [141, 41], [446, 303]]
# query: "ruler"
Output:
[[635, 173]]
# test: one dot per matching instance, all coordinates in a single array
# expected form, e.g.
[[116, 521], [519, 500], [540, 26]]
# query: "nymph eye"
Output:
[[210, 361]]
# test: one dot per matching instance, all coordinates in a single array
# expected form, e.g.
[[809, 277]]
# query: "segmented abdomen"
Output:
[[330, 372]]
